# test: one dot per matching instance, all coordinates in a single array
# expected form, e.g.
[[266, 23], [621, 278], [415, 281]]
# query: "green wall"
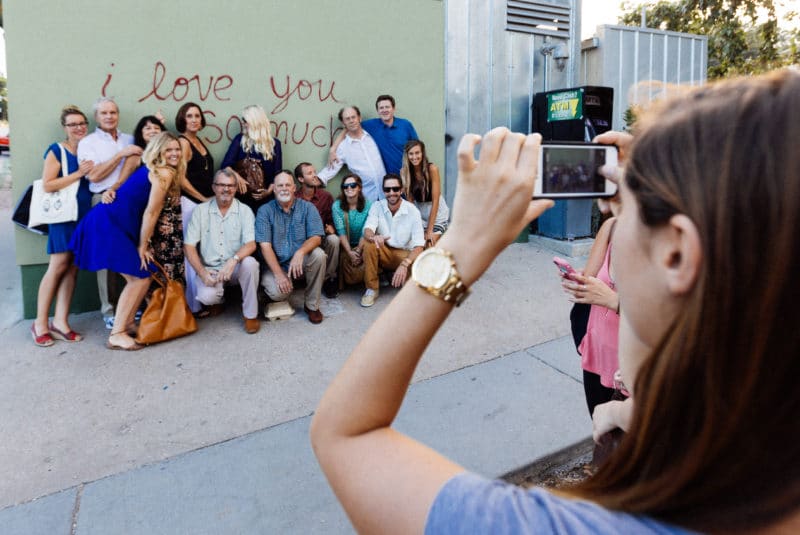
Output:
[[300, 60]]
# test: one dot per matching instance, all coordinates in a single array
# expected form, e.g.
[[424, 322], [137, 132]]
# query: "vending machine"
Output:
[[573, 114]]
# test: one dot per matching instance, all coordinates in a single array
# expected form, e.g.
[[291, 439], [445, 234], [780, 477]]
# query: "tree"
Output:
[[739, 40]]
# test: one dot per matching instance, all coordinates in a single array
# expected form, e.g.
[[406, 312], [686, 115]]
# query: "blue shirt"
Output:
[[287, 232], [471, 504], [391, 140]]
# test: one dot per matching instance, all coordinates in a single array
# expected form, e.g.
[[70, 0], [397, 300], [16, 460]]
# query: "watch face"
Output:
[[432, 269]]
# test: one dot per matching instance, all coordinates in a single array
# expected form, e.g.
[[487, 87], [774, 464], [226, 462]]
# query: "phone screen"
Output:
[[573, 170]]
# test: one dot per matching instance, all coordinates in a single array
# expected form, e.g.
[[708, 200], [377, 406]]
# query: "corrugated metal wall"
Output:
[[491, 74], [623, 56]]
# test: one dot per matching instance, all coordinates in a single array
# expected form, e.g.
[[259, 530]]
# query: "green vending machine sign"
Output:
[[565, 106]]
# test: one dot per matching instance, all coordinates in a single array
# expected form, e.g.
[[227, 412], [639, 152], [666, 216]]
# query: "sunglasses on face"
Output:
[[350, 185], [391, 189]]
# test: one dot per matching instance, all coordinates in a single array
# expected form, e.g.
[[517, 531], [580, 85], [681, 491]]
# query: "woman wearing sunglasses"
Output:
[[349, 215]]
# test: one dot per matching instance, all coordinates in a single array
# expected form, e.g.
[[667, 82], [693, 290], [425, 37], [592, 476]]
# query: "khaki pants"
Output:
[[245, 274], [330, 244], [375, 258], [314, 271]]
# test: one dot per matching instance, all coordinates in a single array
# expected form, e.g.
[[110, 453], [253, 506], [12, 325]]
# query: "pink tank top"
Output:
[[599, 348]]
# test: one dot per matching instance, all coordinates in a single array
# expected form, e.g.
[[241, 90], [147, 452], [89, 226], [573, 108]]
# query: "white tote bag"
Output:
[[56, 206]]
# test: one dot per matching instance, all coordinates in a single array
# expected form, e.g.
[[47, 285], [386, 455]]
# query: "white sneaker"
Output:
[[109, 322], [369, 297]]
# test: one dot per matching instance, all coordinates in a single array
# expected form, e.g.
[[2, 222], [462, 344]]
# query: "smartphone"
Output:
[[564, 266], [570, 171]]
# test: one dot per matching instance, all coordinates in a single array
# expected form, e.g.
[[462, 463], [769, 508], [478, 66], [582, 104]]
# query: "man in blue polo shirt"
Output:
[[390, 133], [289, 231]]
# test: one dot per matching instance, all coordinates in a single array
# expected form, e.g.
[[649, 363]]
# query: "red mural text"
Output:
[[303, 89], [182, 87]]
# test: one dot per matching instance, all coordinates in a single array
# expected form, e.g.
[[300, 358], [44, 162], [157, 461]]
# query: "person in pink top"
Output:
[[595, 286]]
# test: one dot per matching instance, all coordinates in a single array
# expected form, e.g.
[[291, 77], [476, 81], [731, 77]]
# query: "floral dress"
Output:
[[167, 240]]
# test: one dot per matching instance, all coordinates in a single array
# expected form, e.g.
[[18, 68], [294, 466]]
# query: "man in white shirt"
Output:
[[107, 147], [394, 238], [359, 151]]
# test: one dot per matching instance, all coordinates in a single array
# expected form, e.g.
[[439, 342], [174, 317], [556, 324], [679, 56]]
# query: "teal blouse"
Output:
[[357, 220]]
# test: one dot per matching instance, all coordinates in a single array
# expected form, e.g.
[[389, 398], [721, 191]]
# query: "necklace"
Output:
[[198, 146]]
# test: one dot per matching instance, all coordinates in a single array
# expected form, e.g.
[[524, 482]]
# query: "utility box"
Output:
[[573, 114]]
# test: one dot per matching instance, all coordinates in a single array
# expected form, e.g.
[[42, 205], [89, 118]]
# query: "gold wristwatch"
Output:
[[435, 271]]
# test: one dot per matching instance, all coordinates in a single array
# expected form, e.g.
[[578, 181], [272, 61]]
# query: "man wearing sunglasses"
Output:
[[394, 238]]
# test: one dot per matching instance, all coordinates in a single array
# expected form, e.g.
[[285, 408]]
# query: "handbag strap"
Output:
[[64, 168], [160, 271], [347, 224]]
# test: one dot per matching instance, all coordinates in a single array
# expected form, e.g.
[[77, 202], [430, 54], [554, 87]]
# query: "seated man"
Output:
[[312, 190], [394, 238], [224, 228], [289, 232]]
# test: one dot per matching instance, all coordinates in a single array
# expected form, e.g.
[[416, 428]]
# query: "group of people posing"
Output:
[[157, 197]]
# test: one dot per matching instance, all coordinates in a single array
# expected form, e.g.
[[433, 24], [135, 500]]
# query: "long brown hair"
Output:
[[360, 203], [417, 187], [714, 439]]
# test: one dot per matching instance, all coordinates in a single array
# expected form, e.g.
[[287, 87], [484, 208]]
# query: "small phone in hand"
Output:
[[571, 171], [566, 269]]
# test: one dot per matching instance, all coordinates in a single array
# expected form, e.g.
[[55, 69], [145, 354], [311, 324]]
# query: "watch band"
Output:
[[453, 290]]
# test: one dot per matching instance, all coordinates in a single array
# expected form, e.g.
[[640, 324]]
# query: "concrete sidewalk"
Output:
[[491, 418], [208, 434]]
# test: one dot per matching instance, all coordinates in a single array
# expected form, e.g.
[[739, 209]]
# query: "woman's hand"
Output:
[[493, 198], [85, 167], [109, 196], [590, 290], [611, 415], [623, 142], [145, 255], [240, 182]]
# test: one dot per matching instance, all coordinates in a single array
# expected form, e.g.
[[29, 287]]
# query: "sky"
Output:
[[598, 12]]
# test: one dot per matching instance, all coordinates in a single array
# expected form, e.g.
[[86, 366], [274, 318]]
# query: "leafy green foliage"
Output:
[[744, 36]]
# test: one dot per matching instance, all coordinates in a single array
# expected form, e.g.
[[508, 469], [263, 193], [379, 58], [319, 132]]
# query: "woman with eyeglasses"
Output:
[[117, 236], [254, 145], [350, 212], [706, 258], [422, 186], [59, 280]]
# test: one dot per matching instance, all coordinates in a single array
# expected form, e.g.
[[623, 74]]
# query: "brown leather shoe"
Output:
[[314, 316], [251, 325]]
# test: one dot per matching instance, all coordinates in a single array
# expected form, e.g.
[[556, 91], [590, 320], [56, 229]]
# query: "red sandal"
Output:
[[41, 340], [69, 336]]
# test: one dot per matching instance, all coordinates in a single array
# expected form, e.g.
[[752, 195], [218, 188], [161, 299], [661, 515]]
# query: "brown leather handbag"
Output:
[[167, 315], [251, 171]]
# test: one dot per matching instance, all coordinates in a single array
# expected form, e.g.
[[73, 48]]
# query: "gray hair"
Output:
[[102, 100]]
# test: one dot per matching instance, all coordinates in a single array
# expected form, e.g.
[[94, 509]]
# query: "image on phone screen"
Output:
[[573, 170]]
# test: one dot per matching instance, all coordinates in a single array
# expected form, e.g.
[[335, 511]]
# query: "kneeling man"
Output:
[[394, 238], [224, 227], [289, 231]]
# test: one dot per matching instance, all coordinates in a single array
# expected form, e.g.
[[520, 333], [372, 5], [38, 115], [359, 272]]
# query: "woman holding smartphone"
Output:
[[712, 367], [595, 287]]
